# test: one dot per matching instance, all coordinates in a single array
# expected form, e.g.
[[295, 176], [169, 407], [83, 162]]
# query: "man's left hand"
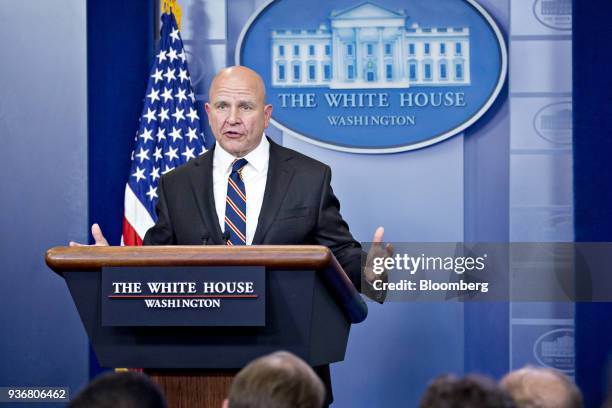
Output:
[[377, 251]]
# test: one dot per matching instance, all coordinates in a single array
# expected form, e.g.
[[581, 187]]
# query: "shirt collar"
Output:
[[258, 157]]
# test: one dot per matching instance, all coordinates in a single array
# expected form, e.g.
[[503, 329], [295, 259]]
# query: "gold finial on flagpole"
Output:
[[172, 6]]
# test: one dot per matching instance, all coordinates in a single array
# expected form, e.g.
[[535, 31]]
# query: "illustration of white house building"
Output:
[[369, 46], [556, 7], [561, 347], [561, 120]]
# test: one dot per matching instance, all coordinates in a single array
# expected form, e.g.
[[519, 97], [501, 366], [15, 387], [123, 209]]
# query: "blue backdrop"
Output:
[[43, 133], [592, 192], [71, 94]]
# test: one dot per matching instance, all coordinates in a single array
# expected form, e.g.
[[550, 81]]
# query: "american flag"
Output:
[[169, 134]]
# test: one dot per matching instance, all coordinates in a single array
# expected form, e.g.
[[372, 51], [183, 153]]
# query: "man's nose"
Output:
[[234, 116]]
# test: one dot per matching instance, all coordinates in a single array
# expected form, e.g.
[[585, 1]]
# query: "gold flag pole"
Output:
[[172, 6]]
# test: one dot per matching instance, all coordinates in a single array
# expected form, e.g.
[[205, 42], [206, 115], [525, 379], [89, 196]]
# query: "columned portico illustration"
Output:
[[369, 46]]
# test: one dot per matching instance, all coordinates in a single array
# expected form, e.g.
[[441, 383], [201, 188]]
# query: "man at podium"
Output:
[[248, 190]]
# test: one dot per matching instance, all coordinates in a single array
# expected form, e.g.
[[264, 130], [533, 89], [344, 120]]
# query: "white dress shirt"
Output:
[[254, 175]]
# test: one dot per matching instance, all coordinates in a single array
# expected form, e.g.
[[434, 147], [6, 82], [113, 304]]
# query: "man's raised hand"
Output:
[[377, 251], [98, 237]]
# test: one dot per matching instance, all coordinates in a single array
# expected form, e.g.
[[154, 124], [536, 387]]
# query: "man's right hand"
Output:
[[98, 237]]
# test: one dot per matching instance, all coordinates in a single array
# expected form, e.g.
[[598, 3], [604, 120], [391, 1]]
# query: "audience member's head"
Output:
[[120, 390], [533, 387], [472, 391], [279, 380]]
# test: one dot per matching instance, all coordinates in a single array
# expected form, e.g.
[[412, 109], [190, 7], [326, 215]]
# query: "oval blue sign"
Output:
[[378, 76]]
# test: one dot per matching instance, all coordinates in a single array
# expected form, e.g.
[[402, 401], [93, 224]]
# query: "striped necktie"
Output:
[[235, 205]]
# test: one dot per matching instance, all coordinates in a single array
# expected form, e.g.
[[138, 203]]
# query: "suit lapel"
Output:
[[278, 179], [201, 178]]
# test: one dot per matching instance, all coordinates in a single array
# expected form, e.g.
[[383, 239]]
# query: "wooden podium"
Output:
[[310, 304]]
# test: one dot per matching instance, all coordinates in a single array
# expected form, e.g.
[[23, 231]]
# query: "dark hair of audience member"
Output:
[[537, 387], [278, 380], [472, 391], [120, 390]]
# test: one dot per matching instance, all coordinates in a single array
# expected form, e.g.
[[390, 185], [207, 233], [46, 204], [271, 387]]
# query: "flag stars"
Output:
[[191, 134], [183, 75], [171, 153], [163, 114], [193, 114], [154, 94], [157, 154], [157, 75], [169, 131], [150, 115], [154, 173], [174, 35], [188, 153], [152, 193], [167, 95], [175, 134], [170, 74], [172, 54], [161, 134], [143, 154], [146, 135], [181, 95], [139, 174], [167, 169], [178, 115]]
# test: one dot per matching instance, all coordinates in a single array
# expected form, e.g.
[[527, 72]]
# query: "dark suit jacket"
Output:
[[299, 207]]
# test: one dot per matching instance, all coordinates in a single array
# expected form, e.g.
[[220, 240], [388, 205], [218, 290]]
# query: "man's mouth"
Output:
[[232, 133]]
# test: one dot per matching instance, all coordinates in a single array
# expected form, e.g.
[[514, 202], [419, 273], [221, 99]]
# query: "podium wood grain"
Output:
[[193, 388]]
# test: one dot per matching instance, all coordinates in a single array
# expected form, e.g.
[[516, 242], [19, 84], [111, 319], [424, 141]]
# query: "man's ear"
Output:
[[267, 115], [225, 403]]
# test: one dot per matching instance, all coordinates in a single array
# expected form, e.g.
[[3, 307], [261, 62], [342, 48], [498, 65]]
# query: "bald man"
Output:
[[290, 200], [289, 195]]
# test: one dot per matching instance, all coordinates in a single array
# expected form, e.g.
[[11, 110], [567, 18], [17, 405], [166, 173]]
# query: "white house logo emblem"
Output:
[[375, 77], [555, 14], [555, 349], [554, 123]]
